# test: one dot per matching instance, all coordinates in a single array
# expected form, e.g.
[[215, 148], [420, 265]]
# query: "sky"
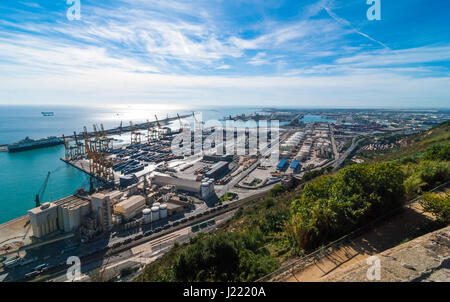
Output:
[[318, 53]]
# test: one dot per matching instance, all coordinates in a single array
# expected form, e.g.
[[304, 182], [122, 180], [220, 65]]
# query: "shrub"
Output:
[[334, 205], [438, 152], [438, 205]]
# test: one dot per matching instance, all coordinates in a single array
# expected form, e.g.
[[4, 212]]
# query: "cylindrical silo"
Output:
[[211, 187], [163, 211], [147, 215], [205, 190], [155, 213]]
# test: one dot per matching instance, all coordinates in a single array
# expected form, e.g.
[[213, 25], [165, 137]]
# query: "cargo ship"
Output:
[[48, 113], [30, 144]]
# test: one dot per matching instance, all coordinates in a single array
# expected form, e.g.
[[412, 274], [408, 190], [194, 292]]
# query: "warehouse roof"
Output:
[[179, 183], [216, 167], [130, 202], [282, 163]]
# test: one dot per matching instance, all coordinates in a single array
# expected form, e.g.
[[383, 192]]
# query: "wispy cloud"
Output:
[[149, 50]]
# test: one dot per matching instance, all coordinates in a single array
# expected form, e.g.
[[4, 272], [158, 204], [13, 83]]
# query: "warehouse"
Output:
[[217, 170], [130, 207], [184, 185], [282, 164]]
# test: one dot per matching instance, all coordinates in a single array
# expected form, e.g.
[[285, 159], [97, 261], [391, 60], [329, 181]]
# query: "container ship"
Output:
[[29, 144]]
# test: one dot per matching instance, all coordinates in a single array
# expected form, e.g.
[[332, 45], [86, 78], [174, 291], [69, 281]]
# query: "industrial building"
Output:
[[185, 185], [44, 219], [217, 170], [130, 207], [71, 213], [282, 164], [100, 204]]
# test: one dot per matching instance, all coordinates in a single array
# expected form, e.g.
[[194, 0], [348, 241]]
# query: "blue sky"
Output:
[[291, 53]]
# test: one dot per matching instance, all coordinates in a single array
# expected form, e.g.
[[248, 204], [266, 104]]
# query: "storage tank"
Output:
[[211, 186], [163, 211], [155, 213], [205, 190], [156, 204], [147, 215]]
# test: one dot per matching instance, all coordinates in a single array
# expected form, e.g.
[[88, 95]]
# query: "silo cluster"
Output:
[[207, 188]]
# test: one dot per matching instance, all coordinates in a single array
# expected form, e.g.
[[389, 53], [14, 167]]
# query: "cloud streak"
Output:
[[152, 51]]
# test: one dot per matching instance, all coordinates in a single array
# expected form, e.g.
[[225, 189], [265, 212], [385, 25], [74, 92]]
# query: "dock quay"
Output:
[[140, 126], [78, 164]]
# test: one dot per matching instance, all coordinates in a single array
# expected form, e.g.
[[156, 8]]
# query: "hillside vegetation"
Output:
[[324, 207]]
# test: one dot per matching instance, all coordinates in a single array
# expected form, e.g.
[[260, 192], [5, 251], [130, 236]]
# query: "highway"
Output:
[[344, 156]]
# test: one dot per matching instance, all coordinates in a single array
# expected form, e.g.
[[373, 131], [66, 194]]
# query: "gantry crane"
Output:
[[182, 128], [152, 133], [99, 167], [70, 151], [135, 136], [107, 142], [97, 140], [40, 194], [195, 119], [79, 145]]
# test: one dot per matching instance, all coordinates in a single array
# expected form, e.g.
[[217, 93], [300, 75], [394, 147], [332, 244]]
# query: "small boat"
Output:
[[48, 113]]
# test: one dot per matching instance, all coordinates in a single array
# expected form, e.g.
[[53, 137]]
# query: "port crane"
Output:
[[152, 132], [135, 136], [160, 131], [120, 129], [107, 142], [182, 128], [99, 166], [97, 139], [40, 194], [197, 121], [79, 145]]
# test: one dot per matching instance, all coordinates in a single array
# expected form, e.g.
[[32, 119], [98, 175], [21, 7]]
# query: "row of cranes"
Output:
[[97, 145]]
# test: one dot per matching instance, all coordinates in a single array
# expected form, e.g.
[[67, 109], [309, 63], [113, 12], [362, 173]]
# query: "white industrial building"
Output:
[[185, 185], [44, 219], [130, 207]]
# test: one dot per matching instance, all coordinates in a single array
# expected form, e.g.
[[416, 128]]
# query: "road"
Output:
[[245, 173], [333, 142], [344, 156]]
